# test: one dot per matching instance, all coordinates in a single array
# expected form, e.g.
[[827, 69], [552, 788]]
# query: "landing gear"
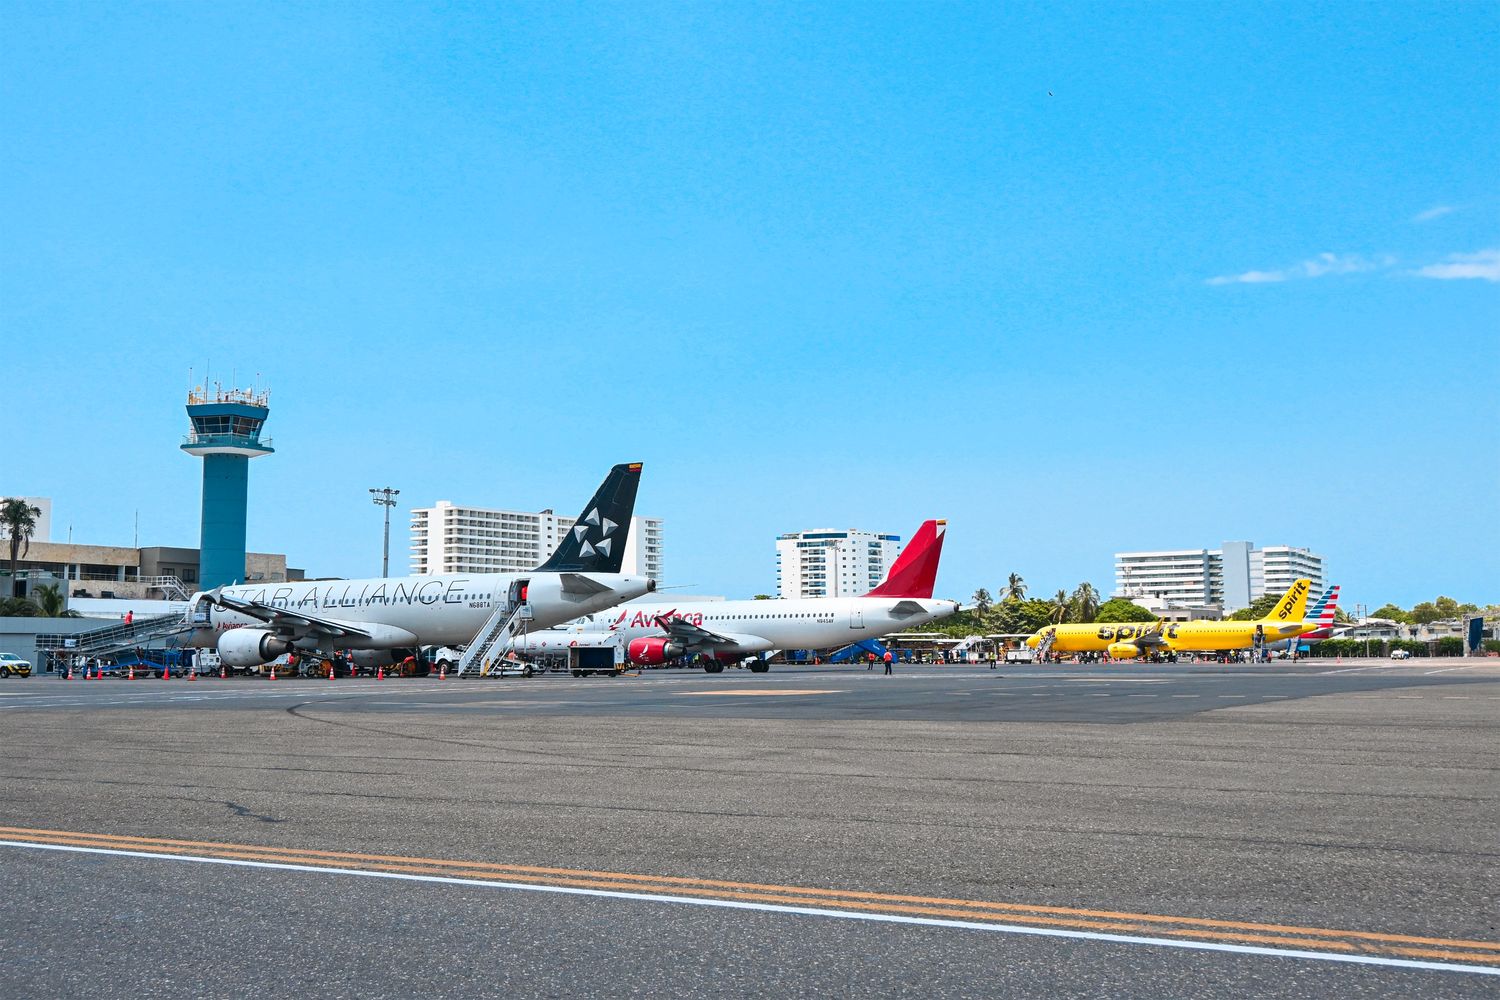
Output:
[[713, 668], [759, 667]]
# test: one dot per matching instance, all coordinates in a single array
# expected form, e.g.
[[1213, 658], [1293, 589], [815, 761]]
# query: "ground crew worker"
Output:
[[888, 661]]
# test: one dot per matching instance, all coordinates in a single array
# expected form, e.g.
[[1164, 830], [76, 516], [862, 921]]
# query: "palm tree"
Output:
[[17, 607], [51, 602], [982, 600], [1015, 589], [1061, 605], [1086, 601], [18, 520]]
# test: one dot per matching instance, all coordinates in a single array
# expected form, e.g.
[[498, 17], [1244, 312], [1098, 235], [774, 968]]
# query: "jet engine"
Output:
[[1124, 650], [249, 647], [650, 652]]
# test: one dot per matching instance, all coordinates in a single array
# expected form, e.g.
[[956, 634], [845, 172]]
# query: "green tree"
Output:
[[1340, 615], [1446, 606], [51, 602], [1062, 607], [1015, 588], [1118, 609], [1425, 613], [1086, 602], [1018, 616], [1392, 613], [982, 600], [1259, 608], [1450, 645], [17, 607], [764, 597], [18, 523]]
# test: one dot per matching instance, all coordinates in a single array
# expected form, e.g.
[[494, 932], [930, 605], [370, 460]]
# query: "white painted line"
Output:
[[1449, 670], [811, 911]]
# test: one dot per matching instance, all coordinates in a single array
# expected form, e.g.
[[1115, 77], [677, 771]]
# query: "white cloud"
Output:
[[1435, 212], [1484, 265], [1315, 267]]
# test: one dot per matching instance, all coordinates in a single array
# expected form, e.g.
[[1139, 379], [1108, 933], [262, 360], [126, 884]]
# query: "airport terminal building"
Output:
[[448, 538], [1231, 576]]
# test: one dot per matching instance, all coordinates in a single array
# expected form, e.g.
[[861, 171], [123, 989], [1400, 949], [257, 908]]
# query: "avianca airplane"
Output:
[[250, 625], [733, 630], [1127, 641]]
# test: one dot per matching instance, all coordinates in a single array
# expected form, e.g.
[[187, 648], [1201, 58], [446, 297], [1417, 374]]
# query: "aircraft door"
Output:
[[201, 612], [856, 619], [519, 596]]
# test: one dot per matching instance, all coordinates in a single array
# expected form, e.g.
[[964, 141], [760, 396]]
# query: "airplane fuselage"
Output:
[[1194, 636], [442, 609], [754, 626]]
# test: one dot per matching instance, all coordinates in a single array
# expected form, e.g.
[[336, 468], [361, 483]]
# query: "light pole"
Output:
[[386, 497]]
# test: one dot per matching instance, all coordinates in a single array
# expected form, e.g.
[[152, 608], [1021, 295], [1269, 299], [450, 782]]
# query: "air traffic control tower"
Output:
[[226, 435]]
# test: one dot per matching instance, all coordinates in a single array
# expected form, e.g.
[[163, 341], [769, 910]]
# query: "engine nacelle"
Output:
[[376, 657], [1124, 650], [650, 652], [250, 647]]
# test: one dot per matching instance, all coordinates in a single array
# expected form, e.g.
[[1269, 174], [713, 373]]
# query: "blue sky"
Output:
[[1077, 278]]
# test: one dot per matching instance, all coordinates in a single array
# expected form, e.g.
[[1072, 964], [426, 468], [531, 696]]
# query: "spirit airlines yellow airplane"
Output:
[[1127, 641]]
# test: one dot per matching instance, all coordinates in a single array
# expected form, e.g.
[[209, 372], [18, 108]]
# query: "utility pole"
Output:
[[385, 497]]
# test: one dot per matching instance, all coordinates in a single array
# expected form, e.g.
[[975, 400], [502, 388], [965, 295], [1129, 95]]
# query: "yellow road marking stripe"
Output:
[[1053, 915]]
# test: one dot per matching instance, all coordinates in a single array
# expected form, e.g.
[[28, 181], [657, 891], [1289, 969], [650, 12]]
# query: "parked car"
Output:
[[1400, 654], [12, 665]]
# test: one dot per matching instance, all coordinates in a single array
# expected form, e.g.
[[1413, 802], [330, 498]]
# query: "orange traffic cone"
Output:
[[332, 671], [273, 671], [223, 672], [443, 672], [69, 675], [131, 676], [192, 675], [166, 672]]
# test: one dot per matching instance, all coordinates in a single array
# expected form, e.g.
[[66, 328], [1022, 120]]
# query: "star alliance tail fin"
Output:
[[596, 541]]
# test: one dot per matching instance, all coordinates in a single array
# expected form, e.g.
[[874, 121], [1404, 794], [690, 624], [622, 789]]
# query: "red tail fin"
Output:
[[915, 570]]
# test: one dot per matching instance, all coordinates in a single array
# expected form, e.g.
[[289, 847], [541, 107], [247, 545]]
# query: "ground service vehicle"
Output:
[[12, 665]]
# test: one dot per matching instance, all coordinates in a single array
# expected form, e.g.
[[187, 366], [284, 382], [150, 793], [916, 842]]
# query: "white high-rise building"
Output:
[[43, 532], [447, 538], [825, 562], [1231, 576]]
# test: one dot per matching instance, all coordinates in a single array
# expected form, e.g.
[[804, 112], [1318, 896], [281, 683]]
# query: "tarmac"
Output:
[[1280, 830]]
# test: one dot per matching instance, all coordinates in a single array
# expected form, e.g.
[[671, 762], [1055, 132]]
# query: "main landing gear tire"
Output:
[[713, 668], [759, 668]]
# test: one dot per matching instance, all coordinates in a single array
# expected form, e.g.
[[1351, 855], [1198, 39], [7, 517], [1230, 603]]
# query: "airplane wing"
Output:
[[693, 636], [284, 618]]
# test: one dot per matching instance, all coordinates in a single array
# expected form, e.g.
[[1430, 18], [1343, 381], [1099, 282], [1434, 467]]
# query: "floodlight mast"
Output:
[[385, 497]]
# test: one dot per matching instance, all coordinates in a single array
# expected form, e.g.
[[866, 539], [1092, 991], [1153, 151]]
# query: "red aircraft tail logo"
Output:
[[915, 570]]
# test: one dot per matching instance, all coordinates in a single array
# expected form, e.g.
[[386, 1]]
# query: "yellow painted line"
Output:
[[1245, 932], [757, 694]]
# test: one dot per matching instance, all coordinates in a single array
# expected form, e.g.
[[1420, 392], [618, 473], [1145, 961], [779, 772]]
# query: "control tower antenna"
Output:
[[226, 435]]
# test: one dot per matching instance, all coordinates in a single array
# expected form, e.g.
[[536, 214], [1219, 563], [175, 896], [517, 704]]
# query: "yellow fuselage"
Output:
[[1195, 636]]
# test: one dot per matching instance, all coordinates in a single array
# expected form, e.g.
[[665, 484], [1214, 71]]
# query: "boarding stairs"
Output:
[[171, 586], [495, 637], [1044, 647], [113, 638]]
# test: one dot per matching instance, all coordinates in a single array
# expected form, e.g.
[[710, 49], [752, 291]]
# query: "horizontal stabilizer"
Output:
[[581, 586]]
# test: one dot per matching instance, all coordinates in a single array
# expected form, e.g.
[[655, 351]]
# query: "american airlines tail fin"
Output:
[[915, 570], [596, 542], [1293, 604], [1327, 607]]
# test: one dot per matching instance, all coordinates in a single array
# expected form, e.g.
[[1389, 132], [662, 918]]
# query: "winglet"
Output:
[[596, 542], [1293, 604], [915, 570]]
